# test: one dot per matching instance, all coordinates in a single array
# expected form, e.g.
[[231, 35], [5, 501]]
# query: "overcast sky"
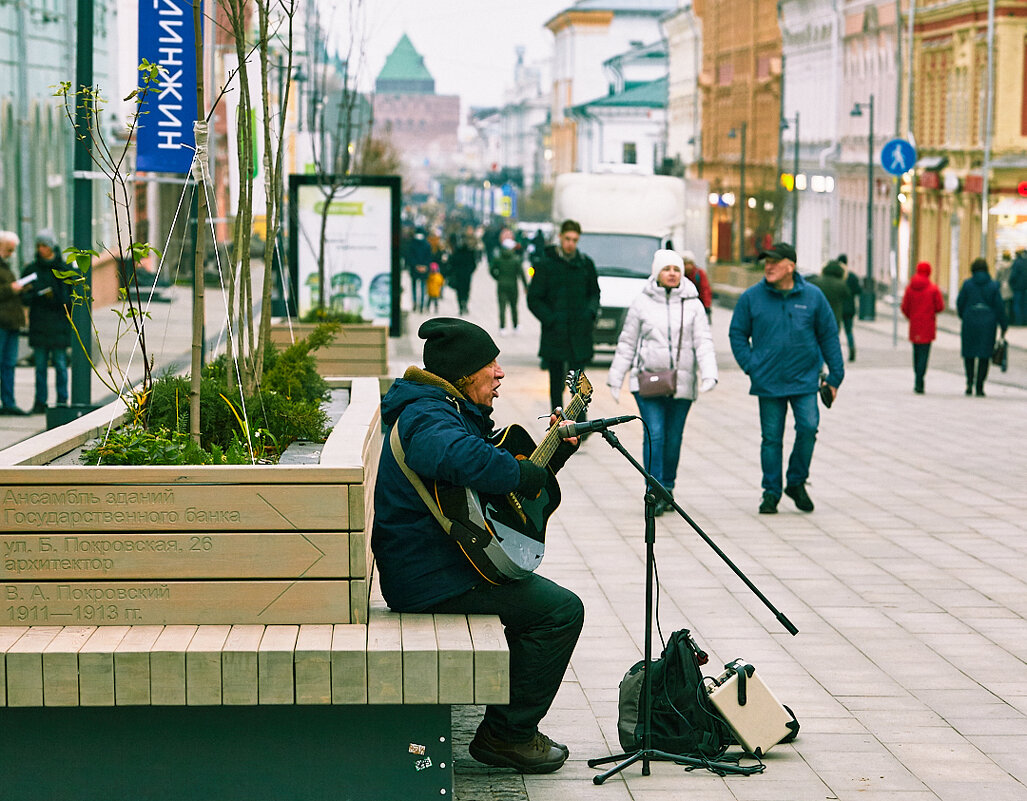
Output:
[[468, 45]]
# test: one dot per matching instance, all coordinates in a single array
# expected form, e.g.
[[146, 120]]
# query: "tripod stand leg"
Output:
[[631, 760]]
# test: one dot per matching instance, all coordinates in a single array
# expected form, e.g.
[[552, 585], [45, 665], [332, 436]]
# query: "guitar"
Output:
[[504, 536]]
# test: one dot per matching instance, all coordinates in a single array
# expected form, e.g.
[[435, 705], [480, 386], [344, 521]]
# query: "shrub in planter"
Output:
[[286, 407]]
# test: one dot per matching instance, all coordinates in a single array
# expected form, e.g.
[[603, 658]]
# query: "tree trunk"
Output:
[[199, 170]]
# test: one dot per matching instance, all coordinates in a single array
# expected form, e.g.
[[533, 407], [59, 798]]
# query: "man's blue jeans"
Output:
[[664, 428], [60, 363], [8, 359], [772, 429]]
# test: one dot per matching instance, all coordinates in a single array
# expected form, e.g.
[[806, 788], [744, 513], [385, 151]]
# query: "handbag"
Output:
[[661, 383], [1000, 354]]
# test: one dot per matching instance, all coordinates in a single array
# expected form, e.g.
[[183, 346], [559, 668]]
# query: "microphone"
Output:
[[587, 426]]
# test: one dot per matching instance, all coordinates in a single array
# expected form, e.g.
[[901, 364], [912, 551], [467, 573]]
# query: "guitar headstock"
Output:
[[579, 384]]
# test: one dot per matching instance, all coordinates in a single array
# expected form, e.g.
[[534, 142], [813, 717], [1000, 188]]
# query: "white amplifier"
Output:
[[757, 718]]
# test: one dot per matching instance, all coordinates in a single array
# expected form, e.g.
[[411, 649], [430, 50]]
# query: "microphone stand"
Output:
[[656, 491]]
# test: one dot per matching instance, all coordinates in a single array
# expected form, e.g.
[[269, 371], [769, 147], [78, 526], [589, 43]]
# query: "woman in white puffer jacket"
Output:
[[666, 311]]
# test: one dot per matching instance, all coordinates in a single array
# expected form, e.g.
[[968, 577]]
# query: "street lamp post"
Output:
[[742, 131], [868, 296], [786, 122]]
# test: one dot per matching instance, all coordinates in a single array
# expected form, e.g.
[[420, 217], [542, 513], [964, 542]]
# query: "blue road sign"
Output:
[[898, 156]]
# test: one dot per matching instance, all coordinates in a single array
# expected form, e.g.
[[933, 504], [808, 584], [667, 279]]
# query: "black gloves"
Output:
[[533, 478]]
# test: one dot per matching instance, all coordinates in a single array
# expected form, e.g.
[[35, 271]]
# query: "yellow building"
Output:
[[740, 84], [950, 55]]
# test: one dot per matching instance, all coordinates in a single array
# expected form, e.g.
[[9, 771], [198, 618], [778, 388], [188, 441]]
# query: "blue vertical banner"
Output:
[[167, 38]]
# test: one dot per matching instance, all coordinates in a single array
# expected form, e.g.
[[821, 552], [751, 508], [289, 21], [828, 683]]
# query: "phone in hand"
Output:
[[826, 395]]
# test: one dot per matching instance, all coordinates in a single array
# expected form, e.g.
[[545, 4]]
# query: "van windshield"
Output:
[[622, 255]]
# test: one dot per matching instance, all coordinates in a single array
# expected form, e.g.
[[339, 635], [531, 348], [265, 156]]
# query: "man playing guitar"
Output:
[[441, 416]]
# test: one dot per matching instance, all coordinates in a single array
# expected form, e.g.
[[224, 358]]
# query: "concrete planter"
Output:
[[358, 349], [246, 544]]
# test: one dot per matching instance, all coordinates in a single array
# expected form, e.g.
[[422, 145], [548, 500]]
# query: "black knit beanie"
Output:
[[455, 348]]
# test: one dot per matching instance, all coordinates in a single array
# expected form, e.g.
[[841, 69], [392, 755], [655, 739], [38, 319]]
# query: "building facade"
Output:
[[811, 42], [586, 35], [951, 116], [37, 52], [422, 125], [740, 85], [626, 127], [682, 30], [870, 69]]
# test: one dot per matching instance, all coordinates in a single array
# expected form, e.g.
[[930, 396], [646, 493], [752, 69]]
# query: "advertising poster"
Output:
[[361, 262]]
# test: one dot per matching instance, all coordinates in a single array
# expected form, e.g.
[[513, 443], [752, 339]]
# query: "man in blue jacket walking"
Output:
[[782, 331]]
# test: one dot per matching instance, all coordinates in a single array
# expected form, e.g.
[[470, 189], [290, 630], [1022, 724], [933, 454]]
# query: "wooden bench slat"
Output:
[[239, 665], [420, 659], [96, 666], [349, 663], [275, 665], [8, 636], [313, 664], [167, 666], [132, 666], [25, 666], [384, 658], [60, 666], [456, 659], [203, 665], [491, 660]]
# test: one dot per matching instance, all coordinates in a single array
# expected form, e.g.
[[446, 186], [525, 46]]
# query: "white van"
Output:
[[625, 218]]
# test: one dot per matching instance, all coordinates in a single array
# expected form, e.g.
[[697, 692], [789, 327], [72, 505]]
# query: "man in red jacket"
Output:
[[702, 282], [921, 305]]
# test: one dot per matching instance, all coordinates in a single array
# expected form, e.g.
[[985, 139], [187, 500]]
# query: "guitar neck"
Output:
[[551, 441]]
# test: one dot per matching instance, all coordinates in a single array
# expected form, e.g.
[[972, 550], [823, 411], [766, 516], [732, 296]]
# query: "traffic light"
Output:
[[1021, 189]]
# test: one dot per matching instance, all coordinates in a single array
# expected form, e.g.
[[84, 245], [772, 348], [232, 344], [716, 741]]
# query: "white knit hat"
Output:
[[666, 258]]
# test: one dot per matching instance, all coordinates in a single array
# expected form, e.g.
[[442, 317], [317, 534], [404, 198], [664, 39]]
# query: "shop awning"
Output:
[[1010, 205]]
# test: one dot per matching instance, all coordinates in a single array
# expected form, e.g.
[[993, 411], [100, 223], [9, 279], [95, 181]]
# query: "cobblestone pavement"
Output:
[[908, 583]]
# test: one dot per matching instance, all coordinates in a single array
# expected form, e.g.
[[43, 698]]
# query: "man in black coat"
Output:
[[564, 296], [49, 329], [1018, 283]]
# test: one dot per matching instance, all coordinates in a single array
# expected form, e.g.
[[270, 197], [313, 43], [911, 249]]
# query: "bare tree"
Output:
[[341, 119], [273, 21]]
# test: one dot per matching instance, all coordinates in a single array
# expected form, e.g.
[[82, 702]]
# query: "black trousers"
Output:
[[543, 621], [921, 353], [976, 377], [558, 370], [507, 298]]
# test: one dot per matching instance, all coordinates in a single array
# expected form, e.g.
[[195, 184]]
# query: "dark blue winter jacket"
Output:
[[781, 339], [444, 436]]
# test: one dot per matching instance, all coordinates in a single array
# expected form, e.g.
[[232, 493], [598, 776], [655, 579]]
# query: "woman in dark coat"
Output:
[[49, 329], [463, 260], [979, 305]]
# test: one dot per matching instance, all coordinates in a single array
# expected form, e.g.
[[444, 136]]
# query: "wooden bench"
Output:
[[243, 710]]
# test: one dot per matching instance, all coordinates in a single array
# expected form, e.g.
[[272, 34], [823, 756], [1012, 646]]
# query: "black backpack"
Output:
[[683, 719]]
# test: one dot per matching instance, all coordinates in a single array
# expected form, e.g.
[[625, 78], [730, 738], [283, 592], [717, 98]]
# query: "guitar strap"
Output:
[[422, 490]]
